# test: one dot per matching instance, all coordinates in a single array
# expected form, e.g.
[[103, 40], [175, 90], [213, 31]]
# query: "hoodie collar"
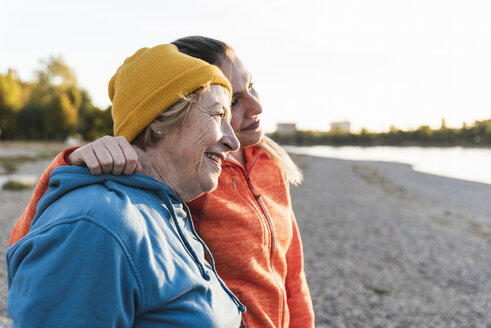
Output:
[[64, 179], [67, 178], [251, 155]]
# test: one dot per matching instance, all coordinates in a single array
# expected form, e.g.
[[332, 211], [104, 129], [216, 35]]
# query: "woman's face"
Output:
[[199, 146], [245, 103]]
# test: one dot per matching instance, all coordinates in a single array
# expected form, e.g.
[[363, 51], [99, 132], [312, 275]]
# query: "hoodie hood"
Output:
[[67, 178]]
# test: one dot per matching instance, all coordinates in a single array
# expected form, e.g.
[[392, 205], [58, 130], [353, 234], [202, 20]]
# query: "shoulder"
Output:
[[119, 210], [258, 156], [105, 220], [267, 170]]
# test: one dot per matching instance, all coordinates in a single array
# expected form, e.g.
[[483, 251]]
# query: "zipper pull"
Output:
[[233, 181]]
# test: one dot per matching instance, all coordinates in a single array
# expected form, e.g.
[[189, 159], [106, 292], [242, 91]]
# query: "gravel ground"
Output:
[[385, 246]]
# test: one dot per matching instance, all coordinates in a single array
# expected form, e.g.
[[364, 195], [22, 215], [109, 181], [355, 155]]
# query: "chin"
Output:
[[210, 185], [204, 187], [250, 141], [213, 188]]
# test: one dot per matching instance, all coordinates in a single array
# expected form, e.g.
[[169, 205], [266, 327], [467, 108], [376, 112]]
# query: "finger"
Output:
[[117, 155], [75, 158], [92, 162], [130, 156], [85, 156], [103, 156], [138, 168]]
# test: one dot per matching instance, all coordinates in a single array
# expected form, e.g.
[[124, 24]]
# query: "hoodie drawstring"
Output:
[[201, 268]]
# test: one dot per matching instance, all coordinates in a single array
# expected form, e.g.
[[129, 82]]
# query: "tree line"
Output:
[[51, 107], [477, 134]]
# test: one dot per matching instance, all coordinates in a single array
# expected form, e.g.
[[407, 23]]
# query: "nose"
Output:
[[254, 107], [229, 140]]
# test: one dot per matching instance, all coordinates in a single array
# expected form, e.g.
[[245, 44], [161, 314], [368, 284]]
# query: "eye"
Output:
[[219, 114], [235, 100], [251, 85]]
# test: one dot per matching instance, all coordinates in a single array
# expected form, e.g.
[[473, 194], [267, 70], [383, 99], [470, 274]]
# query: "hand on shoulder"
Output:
[[113, 155]]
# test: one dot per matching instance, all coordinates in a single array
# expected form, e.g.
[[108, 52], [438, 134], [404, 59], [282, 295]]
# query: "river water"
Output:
[[473, 164]]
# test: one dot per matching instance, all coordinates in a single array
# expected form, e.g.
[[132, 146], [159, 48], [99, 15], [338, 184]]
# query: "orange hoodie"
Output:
[[249, 225]]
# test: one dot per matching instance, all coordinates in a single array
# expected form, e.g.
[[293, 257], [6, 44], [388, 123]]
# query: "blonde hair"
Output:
[[282, 160], [217, 52], [172, 118]]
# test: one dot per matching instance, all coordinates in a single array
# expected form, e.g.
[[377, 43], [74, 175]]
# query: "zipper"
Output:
[[259, 202], [242, 323], [268, 219]]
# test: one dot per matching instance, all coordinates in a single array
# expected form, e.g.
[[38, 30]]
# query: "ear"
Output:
[[156, 131]]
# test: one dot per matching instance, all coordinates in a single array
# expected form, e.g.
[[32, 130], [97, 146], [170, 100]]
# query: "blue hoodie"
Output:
[[114, 251]]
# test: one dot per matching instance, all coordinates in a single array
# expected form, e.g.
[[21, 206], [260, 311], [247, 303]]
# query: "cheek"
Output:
[[235, 124], [236, 120], [207, 134]]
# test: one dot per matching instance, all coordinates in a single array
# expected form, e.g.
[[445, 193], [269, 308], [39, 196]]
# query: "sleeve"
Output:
[[73, 275], [23, 223], [297, 290]]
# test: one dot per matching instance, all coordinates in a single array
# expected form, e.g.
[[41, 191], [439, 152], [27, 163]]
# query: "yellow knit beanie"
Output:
[[152, 80]]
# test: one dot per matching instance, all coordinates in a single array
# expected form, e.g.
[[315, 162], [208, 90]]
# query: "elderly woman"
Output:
[[121, 251]]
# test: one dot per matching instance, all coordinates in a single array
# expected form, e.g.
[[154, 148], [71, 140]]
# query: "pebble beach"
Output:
[[384, 245]]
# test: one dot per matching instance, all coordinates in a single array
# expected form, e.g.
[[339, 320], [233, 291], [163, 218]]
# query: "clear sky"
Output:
[[375, 63]]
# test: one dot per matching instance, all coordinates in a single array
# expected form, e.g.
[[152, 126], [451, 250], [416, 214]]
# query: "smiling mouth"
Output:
[[252, 126], [215, 157]]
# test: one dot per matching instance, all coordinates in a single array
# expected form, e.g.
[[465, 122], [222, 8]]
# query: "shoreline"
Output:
[[456, 162], [384, 245]]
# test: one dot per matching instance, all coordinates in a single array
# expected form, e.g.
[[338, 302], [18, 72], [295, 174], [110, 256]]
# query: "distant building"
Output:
[[286, 128], [341, 126]]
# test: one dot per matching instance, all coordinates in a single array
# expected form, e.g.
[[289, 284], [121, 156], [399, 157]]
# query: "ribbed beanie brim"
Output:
[[151, 81]]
